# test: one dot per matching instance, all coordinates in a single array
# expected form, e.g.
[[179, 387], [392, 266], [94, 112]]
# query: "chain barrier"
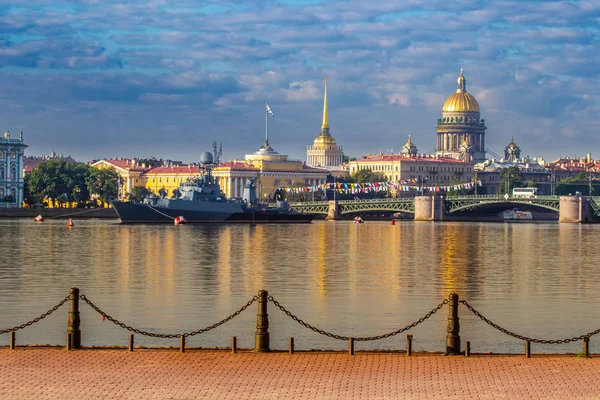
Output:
[[166, 335], [33, 321], [516, 335], [356, 339]]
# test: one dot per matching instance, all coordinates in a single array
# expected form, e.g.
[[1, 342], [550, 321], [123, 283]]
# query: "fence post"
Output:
[[453, 338], [234, 345], [586, 346], [351, 346], [527, 349], [12, 340], [291, 349], [409, 339], [73, 331], [130, 347], [262, 323]]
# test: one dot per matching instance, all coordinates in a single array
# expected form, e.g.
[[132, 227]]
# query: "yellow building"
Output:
[[269, 170], [131, 172], [169, 178]]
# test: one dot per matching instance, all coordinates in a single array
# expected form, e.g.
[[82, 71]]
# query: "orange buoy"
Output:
[[70, 223], [180, 220], [39, 218], [393, 221]]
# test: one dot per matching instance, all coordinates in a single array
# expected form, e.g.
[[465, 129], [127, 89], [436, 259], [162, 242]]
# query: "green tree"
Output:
[[578, 183], [49, 180], [366, 176], [104, 183], [510, 178], [138, 193]]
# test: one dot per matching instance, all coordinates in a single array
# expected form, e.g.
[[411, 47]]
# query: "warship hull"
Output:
[[135, 213]]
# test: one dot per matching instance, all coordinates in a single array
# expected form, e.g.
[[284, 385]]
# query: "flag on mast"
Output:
[[269, 111]]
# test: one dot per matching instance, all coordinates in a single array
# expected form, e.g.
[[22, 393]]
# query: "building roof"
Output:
[[403, 158], [124, 164], [187, 169]]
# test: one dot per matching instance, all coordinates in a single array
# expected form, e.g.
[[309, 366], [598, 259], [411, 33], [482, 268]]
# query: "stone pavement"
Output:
[[30, 373]]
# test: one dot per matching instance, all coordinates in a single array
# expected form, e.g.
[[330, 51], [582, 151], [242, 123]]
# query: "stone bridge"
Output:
[[571, 209]]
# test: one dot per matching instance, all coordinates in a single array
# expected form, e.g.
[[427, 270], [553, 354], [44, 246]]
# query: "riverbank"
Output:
[[159, 374], [59, 213]]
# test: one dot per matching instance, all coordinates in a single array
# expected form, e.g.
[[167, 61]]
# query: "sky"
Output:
[[166, 78]]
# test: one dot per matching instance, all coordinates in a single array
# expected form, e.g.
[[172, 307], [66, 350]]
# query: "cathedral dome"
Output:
[[461, 101]]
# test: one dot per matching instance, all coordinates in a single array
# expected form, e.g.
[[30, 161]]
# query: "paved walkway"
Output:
[[167, 374]]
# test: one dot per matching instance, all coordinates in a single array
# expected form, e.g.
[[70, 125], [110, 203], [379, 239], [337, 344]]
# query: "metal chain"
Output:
[[166, 335], [33, 321], [515, 335], [357, 339]]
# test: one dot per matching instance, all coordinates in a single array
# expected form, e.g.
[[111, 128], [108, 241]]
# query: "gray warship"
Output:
[[202, 201]]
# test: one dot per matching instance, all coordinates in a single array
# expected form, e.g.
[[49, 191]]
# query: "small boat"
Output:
[[517, 215]]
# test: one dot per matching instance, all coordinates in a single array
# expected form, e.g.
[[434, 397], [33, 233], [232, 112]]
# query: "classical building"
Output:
[[11, 171], [409, 166], [269, 170], [460, 124], [324, 153], [132, 173]]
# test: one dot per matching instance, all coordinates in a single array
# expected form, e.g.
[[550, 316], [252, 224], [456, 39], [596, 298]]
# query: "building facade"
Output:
[[409, 166], [461, 123], [12, 184], [324, 153]]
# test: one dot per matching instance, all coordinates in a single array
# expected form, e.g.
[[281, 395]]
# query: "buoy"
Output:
[[358, 220], [39, 218], [70, 223], [393, 221], [180, 220]]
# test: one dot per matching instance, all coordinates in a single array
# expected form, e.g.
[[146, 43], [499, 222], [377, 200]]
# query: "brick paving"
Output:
[[30, 373]]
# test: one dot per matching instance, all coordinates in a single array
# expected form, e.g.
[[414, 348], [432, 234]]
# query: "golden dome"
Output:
[[325, 139], [461, 101]]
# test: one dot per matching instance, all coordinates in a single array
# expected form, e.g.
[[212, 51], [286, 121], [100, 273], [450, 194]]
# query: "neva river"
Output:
[[540, 280]]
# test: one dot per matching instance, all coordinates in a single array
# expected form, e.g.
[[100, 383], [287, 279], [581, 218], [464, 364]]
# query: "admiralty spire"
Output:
[[461, 123], [324, 153]]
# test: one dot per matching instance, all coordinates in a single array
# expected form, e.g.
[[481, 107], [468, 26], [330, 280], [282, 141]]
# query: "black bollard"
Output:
[[351, 346], [409, 339], [131, 342], [291, 350], [73, 331], [12, 340], [453, 338], [527, 349], [234, 345], [182, 344], [262, 323], [586, 346], [468, 349]]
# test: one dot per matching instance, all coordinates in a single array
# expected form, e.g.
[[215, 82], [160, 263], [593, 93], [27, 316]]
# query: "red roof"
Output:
[[237, 165], [125, 164], [175, 170]]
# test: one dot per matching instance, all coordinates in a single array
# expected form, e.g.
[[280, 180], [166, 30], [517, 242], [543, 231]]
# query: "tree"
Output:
[[104, 183], [51, 180], [578, 183], [138, 193], [366, 176], [509, 178]]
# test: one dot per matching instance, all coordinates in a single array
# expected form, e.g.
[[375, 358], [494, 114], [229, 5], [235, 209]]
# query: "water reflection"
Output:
[[537, 279]]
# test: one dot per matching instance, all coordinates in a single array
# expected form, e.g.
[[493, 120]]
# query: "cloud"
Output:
[[202, 70]]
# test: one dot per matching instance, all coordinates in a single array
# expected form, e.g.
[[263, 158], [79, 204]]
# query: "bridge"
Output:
[[570, 208]]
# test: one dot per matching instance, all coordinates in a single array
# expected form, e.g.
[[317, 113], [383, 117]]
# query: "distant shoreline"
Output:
[[59, 213]]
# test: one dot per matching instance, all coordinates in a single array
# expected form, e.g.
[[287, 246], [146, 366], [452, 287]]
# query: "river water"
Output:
[[537, 279]]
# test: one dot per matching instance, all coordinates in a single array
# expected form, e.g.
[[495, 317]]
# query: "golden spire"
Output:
[[325, 119]]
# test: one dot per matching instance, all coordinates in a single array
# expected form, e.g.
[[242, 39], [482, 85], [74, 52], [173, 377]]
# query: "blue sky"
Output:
[[166, 78]]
